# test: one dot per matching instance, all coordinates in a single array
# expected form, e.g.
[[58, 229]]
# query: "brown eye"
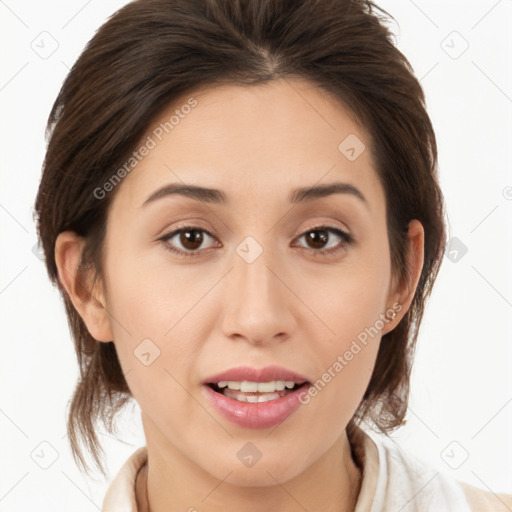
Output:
[[191, 239], [187, 241], [318, 239]]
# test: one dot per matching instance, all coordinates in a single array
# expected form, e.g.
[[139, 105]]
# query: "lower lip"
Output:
[[258, 415]]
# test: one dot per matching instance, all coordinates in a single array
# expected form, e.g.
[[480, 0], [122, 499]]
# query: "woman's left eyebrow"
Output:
[[212, 195], [318, 191]]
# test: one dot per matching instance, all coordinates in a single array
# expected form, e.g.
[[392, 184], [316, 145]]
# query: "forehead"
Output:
[[256, 139]]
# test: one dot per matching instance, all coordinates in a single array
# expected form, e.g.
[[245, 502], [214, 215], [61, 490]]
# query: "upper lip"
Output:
[[266, 374]]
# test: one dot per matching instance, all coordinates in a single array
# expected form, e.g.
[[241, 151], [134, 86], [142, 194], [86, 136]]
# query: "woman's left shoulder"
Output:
[[480, 500]]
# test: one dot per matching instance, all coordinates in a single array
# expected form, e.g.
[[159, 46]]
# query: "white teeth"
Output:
[[264, 398], [242, 397], [248, 387], [266, 387], [254, 387]]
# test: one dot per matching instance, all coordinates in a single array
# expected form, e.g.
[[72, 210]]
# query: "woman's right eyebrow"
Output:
[[207, 195], [212, 195]]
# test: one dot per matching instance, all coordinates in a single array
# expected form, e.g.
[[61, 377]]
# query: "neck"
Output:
[[331, 484]]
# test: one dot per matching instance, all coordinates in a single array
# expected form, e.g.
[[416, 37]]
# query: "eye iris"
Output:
[[318, 237], [191, 236]]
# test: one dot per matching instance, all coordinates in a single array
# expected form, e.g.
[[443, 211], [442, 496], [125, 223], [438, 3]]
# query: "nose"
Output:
[[257, 304]]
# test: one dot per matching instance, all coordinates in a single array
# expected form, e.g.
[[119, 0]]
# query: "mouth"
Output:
[[256, 392], [254, 405], [255, 397]]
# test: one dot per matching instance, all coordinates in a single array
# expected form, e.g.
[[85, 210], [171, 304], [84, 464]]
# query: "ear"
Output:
[[402, 295], [89, 303]]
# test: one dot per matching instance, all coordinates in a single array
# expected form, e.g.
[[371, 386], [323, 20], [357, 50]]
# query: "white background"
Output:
[[461, 402]]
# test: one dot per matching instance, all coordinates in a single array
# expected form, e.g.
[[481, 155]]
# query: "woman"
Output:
[[241, 209]]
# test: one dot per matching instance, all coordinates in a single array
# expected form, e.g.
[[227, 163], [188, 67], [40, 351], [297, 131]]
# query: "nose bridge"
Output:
[[252, 270], [257, 307]]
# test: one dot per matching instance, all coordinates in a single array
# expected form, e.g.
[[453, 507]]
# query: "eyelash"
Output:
[[347, 238]]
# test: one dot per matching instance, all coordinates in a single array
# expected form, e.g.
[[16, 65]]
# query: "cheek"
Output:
[[155, 326], [347, 359], [149, 295], [348, 297], [350, 302]]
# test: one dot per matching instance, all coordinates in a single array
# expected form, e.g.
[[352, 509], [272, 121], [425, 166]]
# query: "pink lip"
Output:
[[267, 374], [256, 415], [250, 415]]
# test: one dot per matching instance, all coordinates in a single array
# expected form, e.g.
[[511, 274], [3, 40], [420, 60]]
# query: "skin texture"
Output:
[[215, 311]]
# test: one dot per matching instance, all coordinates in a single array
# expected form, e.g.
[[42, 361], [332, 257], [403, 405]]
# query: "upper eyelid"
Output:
[[207, 231]]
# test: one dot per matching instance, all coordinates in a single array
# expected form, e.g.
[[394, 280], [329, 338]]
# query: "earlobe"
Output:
[[77, 282], [401, 298]]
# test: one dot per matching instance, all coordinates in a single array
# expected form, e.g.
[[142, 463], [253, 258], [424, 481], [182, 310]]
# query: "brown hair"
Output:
[[150, 53]]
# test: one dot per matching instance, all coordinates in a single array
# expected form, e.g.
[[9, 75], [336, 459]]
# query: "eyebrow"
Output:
[[212, 195]]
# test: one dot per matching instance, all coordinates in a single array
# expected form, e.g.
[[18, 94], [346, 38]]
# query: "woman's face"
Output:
[[253, 284]]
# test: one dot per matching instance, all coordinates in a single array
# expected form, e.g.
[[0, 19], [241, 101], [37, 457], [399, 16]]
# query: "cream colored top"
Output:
[[392, 481]]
